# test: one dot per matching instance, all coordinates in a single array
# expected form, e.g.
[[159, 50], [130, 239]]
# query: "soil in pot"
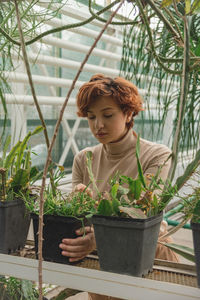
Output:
[[126, 245], [196, 242], [14, 225], [55, 229]]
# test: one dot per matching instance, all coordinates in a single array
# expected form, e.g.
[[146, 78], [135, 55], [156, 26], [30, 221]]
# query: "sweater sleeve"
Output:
[[77, 171], [158, 157]]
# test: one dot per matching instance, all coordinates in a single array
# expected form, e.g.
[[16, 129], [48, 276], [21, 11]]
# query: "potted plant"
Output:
[[16, 177], [128, 220], [63, 215], [195, 225], [190, 209]]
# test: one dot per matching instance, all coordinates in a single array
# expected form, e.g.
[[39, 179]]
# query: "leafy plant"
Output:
[[12, 288], [15, 168], [191, 202], [74, 204], [143, 197]]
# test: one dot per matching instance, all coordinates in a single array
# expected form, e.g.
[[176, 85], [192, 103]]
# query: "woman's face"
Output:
[[106, 120]]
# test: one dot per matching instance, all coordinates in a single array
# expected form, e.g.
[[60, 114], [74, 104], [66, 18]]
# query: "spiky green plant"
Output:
[[15, 168]]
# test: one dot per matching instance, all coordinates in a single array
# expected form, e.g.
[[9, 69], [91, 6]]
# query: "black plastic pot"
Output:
[[55, 229], [126, 245], [196, 242], [14, 225]]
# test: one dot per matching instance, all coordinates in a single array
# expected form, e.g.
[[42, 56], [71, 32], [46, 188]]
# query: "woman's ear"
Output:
[[129, 117]]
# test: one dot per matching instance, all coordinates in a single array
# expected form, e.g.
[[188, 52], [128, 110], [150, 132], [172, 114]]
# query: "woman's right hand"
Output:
[[81, 187], [79, 247]]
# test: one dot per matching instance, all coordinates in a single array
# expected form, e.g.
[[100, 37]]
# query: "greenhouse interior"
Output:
[[100, 131]]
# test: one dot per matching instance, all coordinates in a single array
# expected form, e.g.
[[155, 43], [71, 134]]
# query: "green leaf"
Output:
[[197, 49], [91, 175], [27, 164], [140, 172], [187, 6], [115, 206], [37, 130], [196, 6], [105, 208], [33, 172], [21, 150], [114, 190], [24, 145], [197, 210], [184, 251], [136, 188], [135, 213], [20, 179], [27, 288], [6, 145], [11, 156], [166, 3], [122, 190]]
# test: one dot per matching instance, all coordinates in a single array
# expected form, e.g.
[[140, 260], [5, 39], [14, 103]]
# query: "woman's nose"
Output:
[[99, 124]]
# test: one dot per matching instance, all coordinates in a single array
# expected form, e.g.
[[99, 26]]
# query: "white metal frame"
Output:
[[100, 282], [109, 57]]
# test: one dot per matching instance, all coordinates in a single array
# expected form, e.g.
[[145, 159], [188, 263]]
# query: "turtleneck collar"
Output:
[[125, 144]]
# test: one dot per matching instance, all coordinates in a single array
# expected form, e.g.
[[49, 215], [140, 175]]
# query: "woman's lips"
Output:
[[101, 134]]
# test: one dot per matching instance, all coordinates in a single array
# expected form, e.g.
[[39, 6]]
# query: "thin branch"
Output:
[[165, 21], [28, 70], [174, 72], [58, 29], [52, 143], [95, 15]]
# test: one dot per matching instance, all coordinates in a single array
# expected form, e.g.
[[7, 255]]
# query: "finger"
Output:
[[84, 230], [75, 242], [69, 248], [80, 187], [74, 254], [73, 259]]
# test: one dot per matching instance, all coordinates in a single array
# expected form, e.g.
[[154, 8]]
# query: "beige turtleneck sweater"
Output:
[[120, 156]]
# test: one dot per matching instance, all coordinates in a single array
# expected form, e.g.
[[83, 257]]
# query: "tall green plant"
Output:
[[161, 53]]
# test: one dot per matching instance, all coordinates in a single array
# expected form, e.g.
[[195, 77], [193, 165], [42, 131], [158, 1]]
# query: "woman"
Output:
[[110, 106]]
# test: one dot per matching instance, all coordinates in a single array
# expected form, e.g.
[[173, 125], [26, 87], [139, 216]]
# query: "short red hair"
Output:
[[123, 91]]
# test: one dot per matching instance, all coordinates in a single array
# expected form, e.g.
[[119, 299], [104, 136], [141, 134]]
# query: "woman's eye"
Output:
[[91, 117], [108, 116]]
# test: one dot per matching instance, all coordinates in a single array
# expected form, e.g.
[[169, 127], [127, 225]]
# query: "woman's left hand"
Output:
[[81, 246]]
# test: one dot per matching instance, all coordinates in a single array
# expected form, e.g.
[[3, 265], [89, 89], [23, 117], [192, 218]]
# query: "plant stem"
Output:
[[28, 70], [144, 17], [3, 177], [58, 29], [52, 143], [183, 98], [165, 21]]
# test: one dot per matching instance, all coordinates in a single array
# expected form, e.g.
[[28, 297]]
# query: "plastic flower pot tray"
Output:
[[196, 242], [55, 229], [14, 225], [126, 245]]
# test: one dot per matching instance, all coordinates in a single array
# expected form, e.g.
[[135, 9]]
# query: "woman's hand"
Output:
[[79, 247], [81, 187]]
